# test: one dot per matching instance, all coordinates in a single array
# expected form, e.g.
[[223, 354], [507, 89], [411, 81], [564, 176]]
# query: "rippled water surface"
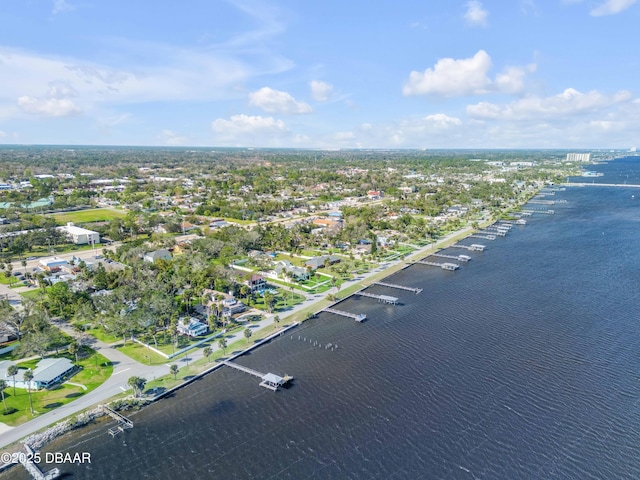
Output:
[[523, 364]]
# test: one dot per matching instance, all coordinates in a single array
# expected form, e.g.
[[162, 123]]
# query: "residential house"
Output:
[[255, 283], [284, 268], [49, 372], [321, 261], [191, 327], [162, 254], [231, 306]]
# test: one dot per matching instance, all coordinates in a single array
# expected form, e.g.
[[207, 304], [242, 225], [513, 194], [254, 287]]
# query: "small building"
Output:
[[53, 264], [321, 261], [152, 257], [285, 268], [191, 327], [79, 235]]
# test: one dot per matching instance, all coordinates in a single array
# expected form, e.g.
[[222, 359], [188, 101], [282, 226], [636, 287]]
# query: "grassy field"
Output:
[[95, 370], [85, 216]]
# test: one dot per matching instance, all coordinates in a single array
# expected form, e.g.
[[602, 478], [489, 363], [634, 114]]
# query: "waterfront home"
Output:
[[49, 372], [191, 327], [284, 268], [231, 306]]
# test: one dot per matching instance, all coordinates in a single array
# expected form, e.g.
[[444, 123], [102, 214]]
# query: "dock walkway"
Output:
[[269, 380], [123, 422], [444, 266], [34, 470], [399, 287], [381, 298], [358, 317], [460, 258]]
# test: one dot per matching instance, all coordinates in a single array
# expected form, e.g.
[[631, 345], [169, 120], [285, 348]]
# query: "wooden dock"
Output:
[[444, 266], [269, 380], [381, 298], [476, 247], [358, 317], [460, 258], [34, 470], [399, 287], [123, 422], [483, 237]]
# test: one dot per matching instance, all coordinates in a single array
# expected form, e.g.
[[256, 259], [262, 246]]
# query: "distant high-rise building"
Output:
[[578, 157]]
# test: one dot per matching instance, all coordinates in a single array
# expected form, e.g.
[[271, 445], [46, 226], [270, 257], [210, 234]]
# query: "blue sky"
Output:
[[330, 74]]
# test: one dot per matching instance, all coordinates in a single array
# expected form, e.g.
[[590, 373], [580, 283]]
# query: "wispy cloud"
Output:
[[320, 91], [611, 7], [60, 6], [476, 15]]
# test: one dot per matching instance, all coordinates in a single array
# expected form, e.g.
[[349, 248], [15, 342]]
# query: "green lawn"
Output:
[[86, 216], [142, 354], [90, 376]]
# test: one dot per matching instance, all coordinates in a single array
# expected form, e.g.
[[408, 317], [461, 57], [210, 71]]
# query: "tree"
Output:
[[276, 320], [222, 343], [12, 371], [137, 383], [73, 349], [207, 353], [28, 376], [174, 370], [3, 385], [247, 333]]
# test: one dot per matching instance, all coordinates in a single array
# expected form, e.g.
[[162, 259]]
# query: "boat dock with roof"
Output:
[[269, 380]]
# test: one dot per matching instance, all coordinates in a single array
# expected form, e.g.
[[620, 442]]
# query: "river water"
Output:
[[522, 364]]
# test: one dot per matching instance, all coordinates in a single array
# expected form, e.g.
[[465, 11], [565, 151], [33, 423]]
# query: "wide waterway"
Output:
[[523, 364]]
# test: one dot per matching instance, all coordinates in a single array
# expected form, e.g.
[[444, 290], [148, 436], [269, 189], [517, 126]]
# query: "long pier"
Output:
[[381, 298], [399, 287], [624, 185], [269, 380], [483, 237], [34, 470], [475, 247], [444, 266], [460, 258], [358, 317]]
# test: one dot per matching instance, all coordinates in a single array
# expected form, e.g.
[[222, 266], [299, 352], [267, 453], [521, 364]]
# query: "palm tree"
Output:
[[174, 370], [222, 343], [73, 349], [3, 385], [247, 333], [276, 320], [207, 353], [12, 371], [137, 383], [28, 376]]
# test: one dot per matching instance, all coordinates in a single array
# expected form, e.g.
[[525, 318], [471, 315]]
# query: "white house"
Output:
[[191, 327], [79, 235]]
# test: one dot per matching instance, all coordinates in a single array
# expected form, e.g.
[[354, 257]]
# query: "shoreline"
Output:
[[56, 430]]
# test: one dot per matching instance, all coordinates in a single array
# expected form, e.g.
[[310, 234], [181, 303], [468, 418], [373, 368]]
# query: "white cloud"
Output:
[[320, 91], [276, 101], [441, 120], [248, 124], [172, 138], [342, 136], [611, 7], [62, 6], [51, 107], [569, 102], [476, 16], [468, 76]]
